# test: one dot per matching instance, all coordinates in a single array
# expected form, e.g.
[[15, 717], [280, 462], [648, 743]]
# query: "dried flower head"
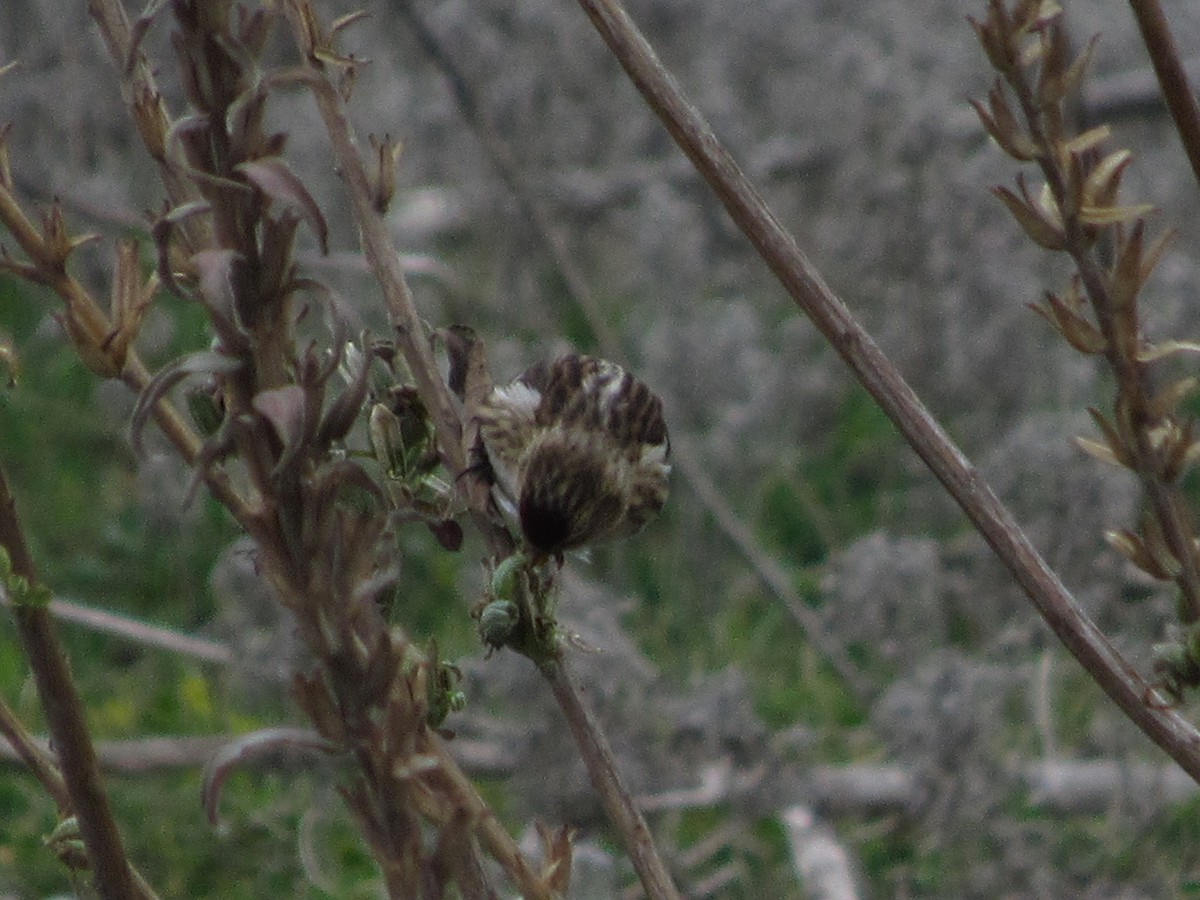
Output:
[[578, 448]]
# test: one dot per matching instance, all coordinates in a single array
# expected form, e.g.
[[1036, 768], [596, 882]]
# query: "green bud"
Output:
[[498, 622]]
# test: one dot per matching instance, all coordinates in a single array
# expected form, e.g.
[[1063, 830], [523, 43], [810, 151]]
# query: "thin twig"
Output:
[[1062, 786], [36, 757], [504, 160], [486, 827], [1135, 697], [606, 780], [1172, 77], [65, 718], [770, 572], [137, 631], [385, 262]]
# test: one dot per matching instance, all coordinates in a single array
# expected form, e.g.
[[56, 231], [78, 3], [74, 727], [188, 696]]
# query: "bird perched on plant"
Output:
[[578, 449]]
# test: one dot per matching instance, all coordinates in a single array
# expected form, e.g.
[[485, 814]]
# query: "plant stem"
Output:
[[607, 781], [65, 719], [381, 255], [38, 761], [1132, 694], [1172, 77]]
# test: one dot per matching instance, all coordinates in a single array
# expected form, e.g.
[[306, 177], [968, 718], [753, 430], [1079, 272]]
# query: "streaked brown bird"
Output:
[[578, 448]]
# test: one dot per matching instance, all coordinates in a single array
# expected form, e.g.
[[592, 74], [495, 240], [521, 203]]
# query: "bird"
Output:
[[579, 453]]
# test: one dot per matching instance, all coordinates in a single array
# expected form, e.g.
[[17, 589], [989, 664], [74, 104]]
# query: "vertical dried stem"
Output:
[[385, 262], [65, 719], [410, 331], [1132, 377], [1132, 694]]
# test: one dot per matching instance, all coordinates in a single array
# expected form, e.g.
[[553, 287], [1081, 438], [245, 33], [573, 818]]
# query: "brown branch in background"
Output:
[[536, 210], [486, 827], [36, 757], [1132, 694], [137, 631], [770, 572], [1060, 786], [1172, 77], [502, 158], [65, 717]]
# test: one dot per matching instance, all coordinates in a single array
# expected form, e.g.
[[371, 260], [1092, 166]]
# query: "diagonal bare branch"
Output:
[[1172, 76], [778, 248]]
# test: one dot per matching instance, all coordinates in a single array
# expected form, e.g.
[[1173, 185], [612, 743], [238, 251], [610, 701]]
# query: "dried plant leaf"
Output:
[[275, 178], [381, 668], [162, 231], [1098, 450], [1130, 546], [1150, 258], [286, 408], [1168, 399], [1113, 442], [130, 300], [1033, 220], [82, 322], [1042, 14], [257, 745], [313, 697], [1125, 279], [1163, 349], [1104, 180], [1052, 83], [341, 415], [383, 172], [1074, 75], [993, 39], [1113, 215], [215, 271], [1002, 125], [1156, 545], [1088, 140], [556, 857], [346, 21], [1075, 329], [1177, 448], [202, 363]]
